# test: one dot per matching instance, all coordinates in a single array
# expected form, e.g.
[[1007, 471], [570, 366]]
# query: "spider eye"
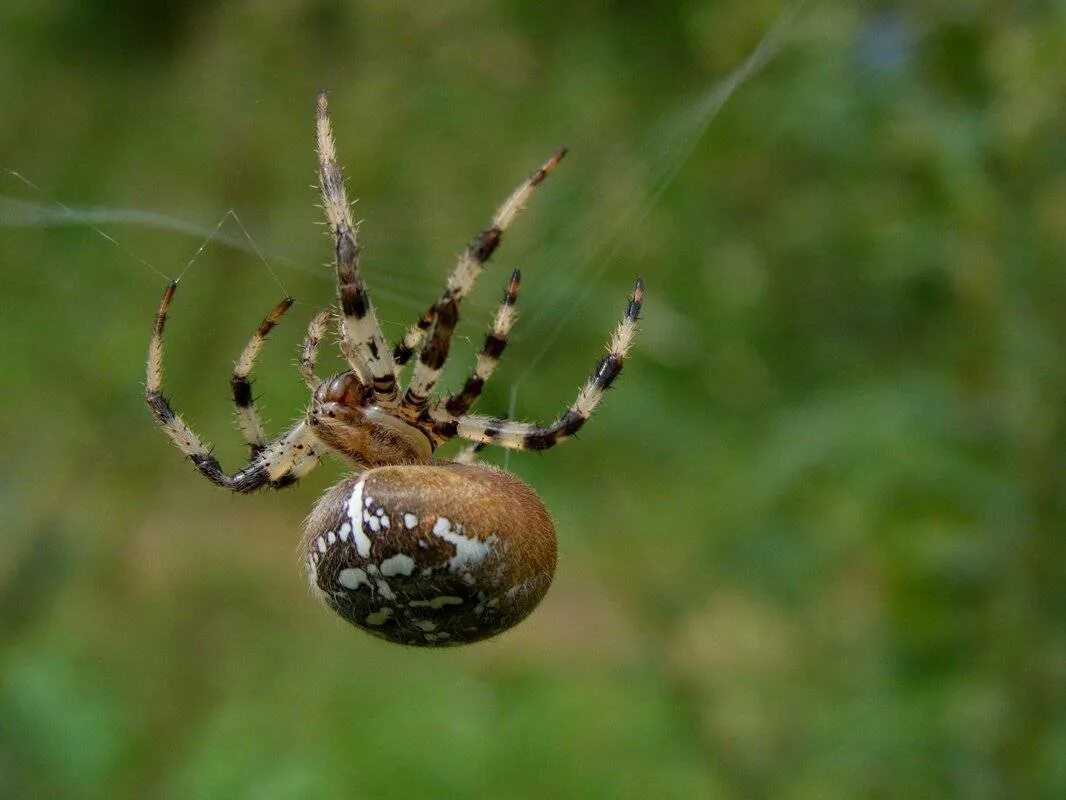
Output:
[[345, 389]]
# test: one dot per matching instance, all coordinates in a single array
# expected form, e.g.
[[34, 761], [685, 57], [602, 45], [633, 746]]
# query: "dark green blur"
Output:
[[812, 546]]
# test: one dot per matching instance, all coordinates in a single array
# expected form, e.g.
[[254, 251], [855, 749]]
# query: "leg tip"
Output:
[[548, 166], [168, 293], [322, 107]]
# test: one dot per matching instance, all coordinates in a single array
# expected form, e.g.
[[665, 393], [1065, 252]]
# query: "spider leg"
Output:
[[248, 419], [470, 264], [468, 455], [361, 339], [431, 359], [309, 352], [489, 357], [279, 464], [526, 436]]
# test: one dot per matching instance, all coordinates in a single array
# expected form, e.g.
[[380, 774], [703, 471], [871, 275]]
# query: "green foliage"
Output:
[[811, 547]]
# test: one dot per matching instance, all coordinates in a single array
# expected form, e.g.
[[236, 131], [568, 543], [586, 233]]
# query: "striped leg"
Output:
[[311, 458], [361, 338], [309, 352], [291, 456], [470, 264], [431, 359], [248, 419], [406, 348], [525, 436], [489, 357], [279, 464]]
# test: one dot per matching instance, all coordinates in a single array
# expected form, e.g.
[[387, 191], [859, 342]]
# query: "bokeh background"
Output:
[[813, 545]]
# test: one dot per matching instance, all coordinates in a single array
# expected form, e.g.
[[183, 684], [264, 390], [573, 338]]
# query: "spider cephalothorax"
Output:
[[414, 549], [345, 418]]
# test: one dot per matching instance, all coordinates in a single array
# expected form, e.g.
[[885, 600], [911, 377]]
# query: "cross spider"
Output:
[[413, 549]]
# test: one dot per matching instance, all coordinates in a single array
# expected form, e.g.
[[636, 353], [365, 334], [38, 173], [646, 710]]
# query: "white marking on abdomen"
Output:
[[398, 564], [352, 578], [437, 602], [379, 617], [355, 515], [468, 550]]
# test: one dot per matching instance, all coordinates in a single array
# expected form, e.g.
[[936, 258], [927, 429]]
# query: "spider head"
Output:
[[338, 409], [344, 391], [344, 417]]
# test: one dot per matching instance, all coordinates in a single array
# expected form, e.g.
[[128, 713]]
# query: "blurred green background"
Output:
[[813, 545]]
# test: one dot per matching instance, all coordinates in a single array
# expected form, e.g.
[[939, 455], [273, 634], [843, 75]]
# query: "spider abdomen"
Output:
[[431, 554]]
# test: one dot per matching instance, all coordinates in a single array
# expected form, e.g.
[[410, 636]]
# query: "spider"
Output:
[[411, 548]]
